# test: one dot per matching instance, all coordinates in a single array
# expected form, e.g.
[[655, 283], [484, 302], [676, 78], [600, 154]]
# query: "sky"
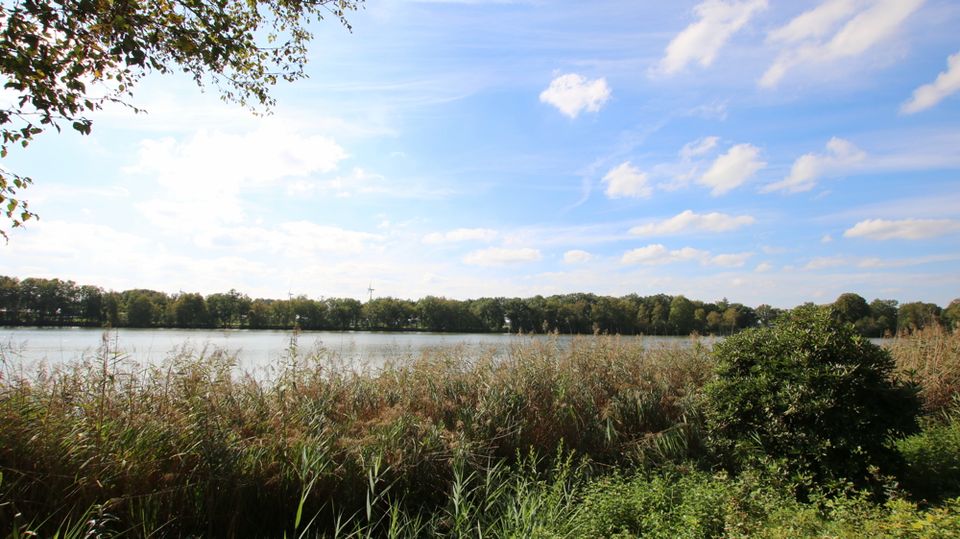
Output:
[[765, 151]]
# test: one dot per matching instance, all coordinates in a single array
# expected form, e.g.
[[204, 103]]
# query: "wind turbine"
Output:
[[370, 290]]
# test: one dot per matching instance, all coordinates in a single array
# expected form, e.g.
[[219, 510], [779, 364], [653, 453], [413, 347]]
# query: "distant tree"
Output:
[[9, 300], [917, 315], [388, 313], [190, 311], [259, 314], [714, 322], [91, 304], [681, 315], [343, 313], [951, 316], [227, 310], [141, 312], [884, 314], [489, 312], [850, 308], [767, 314]]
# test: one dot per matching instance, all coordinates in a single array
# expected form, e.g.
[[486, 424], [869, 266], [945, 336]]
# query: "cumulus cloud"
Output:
[[573, 93], [499, 256], [689, 221], [700, 42], [809, 168], [928, 95], [903, 229], [763, 267], [657, 254], [576, 256], [626, 180], [834, 30], [460, 235], [732, 169]]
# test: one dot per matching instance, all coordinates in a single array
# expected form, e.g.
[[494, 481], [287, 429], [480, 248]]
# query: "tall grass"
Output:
[[932, 357], [192, 446], [443, 444]]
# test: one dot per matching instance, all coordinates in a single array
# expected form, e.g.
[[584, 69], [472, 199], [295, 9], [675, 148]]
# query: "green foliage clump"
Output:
[[932, 457], [670, 505], [809, 398]]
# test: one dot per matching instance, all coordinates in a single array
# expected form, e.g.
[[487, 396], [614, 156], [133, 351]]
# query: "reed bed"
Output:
[[931, 356], [191, 446], [445, 444]]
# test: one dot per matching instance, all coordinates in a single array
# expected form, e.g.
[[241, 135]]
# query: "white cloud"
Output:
[[903, 229], [763, 267], [928, 95], [815, 23], [731, 260], [732, 169], [576, 256], [841, 155], [701, 41], [656, 254], [202, 178], [698, 147], [460, 235], [626, 180], [868, 25], [359, 181], [573, 93], [688, 221], [824, 262], [827, 238], [498, 256]]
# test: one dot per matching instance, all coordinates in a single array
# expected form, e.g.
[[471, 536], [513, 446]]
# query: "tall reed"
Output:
[[192, 446]]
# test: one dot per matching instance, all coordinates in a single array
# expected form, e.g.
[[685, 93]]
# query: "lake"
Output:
[[28, 346]]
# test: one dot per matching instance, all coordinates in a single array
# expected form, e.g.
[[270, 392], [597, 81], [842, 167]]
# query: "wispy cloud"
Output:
[[576, 256], [658, 254], [701, 41], [732, 169], [839, 261], [841, 155], [947, 83], [573, 94], [460, 235], [499, 256], [626, 180], [809, 39], [698, 147], [689, 221], [903, 229]]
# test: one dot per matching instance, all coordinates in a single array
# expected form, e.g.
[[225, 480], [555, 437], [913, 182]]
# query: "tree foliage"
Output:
[[811, 396], [63, 59]]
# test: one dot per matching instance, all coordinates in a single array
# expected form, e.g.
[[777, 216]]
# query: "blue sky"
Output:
[[764, 151]]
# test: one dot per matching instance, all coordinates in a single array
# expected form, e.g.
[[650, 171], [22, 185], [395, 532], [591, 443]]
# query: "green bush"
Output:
[[811, 399], [668, 505], [933, 460]]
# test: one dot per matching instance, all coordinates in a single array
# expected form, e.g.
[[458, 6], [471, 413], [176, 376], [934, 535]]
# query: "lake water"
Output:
[[255, 348]]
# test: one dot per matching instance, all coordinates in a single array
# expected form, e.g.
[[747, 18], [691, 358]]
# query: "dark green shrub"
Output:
[[932, 458], [809, 398]]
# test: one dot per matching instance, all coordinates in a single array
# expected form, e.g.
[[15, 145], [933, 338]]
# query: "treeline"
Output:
[[53, 302]]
